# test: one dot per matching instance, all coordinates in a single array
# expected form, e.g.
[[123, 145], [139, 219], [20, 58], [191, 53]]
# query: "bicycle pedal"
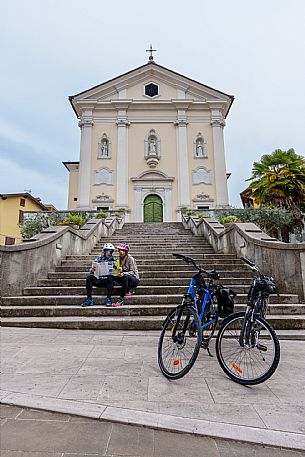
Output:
[[262, 347]]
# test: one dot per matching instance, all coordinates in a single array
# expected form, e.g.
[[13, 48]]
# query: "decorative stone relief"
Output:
[[103, 176], [104, 147], [202, 196], [201, 176], [200, 147]]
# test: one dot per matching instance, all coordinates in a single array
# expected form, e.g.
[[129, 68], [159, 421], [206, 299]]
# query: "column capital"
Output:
[[181, 123], [218, 123], [86, 123], [122, 122]]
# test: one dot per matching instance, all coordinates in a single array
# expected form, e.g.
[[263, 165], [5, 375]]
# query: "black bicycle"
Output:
[[247, 347]]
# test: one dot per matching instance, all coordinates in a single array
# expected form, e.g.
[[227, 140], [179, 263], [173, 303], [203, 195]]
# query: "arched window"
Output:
[[104, 147]]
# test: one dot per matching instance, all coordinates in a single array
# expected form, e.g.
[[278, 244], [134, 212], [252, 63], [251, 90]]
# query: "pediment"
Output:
[[154, 175], [129, 86]]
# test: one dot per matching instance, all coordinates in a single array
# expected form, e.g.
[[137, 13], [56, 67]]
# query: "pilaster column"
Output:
[[84, 176], [168, 217], [122, 161], [138, 217], [222, 199], [182, 163]]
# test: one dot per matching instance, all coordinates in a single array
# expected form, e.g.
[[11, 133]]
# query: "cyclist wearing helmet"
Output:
[[102, 281], [129, 277]]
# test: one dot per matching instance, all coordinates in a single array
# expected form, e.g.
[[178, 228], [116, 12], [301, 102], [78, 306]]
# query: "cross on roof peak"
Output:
[[151, 50]]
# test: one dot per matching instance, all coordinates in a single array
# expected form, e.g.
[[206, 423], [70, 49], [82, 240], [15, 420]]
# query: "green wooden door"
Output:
[[153, 209]]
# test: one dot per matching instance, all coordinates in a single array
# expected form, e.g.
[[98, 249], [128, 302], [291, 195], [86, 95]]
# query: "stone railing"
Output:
[[23, 264], [285, 262]]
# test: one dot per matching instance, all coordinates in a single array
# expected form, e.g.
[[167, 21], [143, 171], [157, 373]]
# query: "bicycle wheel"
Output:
[[255, 359], [179, 342]]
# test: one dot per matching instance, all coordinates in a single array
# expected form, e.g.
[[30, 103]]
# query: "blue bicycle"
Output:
[[190, 326]]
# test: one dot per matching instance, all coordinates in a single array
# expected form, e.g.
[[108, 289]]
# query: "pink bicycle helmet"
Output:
[[123, 247]]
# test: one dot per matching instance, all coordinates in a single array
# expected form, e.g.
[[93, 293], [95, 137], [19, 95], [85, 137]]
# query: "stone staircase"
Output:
[[55, 301]]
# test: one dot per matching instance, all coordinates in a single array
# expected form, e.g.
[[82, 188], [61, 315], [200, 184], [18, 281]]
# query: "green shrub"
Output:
[[32, 227], [117, 214], [77, 219], [102, 215], [270, 219], [228, 219], [203, 216]]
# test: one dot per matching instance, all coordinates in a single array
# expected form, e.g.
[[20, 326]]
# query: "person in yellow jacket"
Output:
[[128, 277]]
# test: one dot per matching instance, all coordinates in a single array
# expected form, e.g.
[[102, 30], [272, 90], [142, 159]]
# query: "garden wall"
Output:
[[23, 264], [285, 262]]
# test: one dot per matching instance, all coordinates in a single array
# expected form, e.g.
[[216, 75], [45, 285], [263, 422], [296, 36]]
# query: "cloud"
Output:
[[16, 177], [27, 156]]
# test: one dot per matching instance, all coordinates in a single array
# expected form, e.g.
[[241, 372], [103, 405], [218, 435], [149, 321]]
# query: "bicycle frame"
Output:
[[207, 297]]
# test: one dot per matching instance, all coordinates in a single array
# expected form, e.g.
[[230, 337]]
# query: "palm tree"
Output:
[[279, 180]]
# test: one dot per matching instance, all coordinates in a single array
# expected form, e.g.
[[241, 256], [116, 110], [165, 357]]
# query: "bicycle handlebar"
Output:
[[212, 274], [247, 261]]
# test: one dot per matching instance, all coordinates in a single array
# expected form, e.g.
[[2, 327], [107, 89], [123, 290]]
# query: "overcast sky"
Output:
[[51, 49]]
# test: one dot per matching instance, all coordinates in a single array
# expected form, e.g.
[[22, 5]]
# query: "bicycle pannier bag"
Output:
[[225, 301]]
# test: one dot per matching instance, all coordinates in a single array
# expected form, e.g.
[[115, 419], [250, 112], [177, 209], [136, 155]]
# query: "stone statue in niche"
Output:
[[104, 148], [152, 147], [199, 148]]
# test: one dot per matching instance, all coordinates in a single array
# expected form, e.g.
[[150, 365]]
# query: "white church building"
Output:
[[151, 142]]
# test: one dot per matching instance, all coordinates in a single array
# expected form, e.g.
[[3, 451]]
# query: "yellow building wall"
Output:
[[137, 163], [9, 216], [96, 164], [192, 131], [73, 189]]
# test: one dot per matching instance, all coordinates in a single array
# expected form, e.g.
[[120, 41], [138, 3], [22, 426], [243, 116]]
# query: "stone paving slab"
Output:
[[114, 376]]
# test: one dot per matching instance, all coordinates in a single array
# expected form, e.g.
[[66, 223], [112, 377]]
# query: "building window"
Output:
[[22, 201], [9, 240], [20, 219], [75, 199], [151, 90], [102, 208], [203, 208]]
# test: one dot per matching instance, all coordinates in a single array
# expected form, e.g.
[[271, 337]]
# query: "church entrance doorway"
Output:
[[153, 209]]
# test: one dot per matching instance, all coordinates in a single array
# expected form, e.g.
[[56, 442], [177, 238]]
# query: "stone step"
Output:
[[141, 290], [157, 274], [161, 262], [143, 256], [184, 282], [154, 269], [128, 322], [54, 300], [127, 310]]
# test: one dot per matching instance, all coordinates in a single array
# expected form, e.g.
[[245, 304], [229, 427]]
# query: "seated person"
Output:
[[129, 278], [102, 281]]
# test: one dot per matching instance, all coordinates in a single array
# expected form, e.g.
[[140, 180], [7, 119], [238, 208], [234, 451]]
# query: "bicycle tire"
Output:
[[170, 360], [237, 364]]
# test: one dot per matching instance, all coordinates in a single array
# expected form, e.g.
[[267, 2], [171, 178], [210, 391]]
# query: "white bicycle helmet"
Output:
[[108, 246]]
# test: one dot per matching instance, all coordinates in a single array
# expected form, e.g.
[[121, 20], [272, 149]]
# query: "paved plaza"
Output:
[[114, 376]]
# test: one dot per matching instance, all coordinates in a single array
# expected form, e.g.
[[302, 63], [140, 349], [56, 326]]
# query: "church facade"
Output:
[[151, 143]]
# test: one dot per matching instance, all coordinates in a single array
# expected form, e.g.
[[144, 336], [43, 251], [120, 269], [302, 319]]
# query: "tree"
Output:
[[279, 180]]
